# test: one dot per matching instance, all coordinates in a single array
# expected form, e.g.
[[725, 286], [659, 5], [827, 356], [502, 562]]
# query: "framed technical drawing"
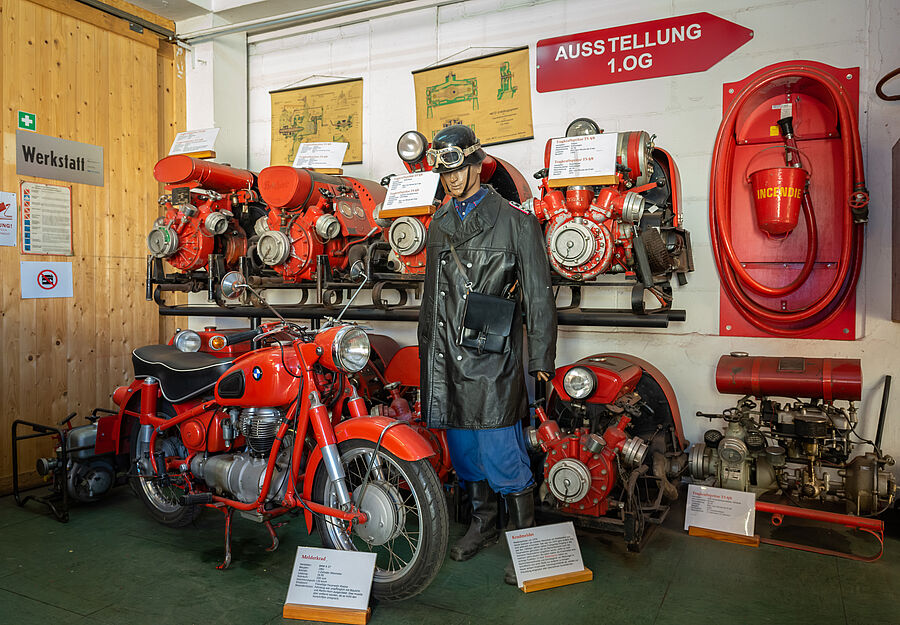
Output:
[[491, 94], [328, 112]]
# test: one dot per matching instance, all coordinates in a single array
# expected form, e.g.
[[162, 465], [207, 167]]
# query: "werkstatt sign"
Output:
[[58, 159], [676, 45]]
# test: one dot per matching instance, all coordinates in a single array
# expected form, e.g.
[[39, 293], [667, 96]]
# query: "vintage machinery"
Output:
[[803, 448], [206, 213], [608, 446], [313, 215], [406, 233], [632, 225]]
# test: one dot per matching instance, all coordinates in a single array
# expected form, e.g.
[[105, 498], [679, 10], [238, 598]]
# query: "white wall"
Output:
[[684, 111]]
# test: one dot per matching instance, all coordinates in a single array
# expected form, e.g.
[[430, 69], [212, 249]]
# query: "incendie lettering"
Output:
[[786, 192]]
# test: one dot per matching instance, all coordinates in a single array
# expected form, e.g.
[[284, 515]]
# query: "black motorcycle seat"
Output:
[[181, 375]]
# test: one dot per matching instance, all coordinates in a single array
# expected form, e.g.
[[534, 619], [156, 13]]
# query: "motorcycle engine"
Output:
[[242, 474]]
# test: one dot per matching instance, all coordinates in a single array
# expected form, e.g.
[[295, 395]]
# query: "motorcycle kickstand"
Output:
[[274, 536], [227, 562]]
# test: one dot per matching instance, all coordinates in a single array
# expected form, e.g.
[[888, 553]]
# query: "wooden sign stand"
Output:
[[585, 181], [326, 614], [727, 537], [555, 581]]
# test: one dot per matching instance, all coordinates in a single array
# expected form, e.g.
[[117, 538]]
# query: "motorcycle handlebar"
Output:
[[240, 337]]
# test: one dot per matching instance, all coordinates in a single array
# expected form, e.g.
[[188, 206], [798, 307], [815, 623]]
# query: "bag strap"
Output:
[[469, 283]]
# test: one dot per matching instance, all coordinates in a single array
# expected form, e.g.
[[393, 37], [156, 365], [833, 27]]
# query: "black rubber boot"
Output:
[[482, 530], [521, 515]]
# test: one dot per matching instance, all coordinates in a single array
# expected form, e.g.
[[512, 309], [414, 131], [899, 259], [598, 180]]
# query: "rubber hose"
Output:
[[734, 277]]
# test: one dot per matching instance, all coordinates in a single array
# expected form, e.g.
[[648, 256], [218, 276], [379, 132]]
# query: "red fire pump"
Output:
[[631, 225], [406, 233], [312, 215], [204, 212], [610, 445]]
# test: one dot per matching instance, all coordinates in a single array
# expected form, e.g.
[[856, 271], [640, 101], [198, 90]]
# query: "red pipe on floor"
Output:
[[873, 525]]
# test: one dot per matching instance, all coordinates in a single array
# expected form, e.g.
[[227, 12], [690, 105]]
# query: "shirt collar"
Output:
[[464, 207]]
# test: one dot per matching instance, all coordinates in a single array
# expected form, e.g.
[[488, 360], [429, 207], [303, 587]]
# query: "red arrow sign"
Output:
[[676, 45]]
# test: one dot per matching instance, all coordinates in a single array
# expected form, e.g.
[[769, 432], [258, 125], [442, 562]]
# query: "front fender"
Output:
[[401, 440]]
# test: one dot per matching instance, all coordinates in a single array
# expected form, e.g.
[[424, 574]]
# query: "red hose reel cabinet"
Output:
[[788, 251]]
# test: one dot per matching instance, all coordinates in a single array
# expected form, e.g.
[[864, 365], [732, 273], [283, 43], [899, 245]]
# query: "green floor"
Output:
[[112, 564]]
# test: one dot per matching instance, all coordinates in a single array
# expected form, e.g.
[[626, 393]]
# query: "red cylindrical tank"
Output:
[[790, 376], [179, 168], [282, 186]]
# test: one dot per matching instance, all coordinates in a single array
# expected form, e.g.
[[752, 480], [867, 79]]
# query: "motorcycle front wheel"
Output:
[[408, 524], [161, 495]]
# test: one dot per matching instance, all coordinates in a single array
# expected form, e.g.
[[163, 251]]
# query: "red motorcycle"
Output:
[[253, 433]]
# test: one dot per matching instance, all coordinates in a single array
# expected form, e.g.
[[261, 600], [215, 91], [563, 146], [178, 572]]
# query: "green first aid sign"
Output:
[[27, 121]]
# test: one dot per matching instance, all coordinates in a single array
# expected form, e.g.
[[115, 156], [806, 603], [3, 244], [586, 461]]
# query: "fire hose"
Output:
[[736, 280]]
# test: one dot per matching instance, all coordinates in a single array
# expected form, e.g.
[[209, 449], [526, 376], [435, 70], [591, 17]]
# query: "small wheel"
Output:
[[408, 523], [161, 495]]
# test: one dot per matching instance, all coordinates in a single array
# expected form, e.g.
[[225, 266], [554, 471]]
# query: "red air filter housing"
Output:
[[790, 376], [180, 169]]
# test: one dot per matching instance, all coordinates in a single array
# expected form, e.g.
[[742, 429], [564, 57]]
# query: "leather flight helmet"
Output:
[[454, 147]]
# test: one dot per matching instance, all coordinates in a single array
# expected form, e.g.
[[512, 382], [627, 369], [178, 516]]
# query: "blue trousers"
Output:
[[497, 455]]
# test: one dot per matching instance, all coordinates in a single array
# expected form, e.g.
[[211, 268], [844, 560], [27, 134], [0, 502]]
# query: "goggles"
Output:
[[451, 157]]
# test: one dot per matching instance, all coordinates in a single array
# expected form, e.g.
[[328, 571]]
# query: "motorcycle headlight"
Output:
[[411, 146], [187, 341], [579, 382], [350, 349]]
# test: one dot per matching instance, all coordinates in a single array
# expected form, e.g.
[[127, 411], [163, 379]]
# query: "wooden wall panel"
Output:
[[89, 79]]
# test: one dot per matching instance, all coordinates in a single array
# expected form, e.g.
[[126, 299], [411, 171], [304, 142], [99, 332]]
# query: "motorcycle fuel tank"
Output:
[[267, 377]]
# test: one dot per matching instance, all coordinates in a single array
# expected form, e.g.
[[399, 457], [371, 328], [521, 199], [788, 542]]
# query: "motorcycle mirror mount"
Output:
[[357, 272], [233, 286]]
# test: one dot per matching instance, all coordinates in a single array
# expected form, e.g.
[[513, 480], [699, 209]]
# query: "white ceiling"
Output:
[[229, 11]]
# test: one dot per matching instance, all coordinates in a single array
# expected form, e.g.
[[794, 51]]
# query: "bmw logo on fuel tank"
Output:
[[256, 373]]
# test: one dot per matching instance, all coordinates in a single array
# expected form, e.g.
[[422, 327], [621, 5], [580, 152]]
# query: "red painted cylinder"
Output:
[[790, 376], [291, 187], [182, 169]]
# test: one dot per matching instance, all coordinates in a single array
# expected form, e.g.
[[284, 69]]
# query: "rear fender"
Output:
[[400, 439]]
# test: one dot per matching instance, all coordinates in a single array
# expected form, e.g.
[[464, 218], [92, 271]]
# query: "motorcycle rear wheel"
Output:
[[408, 525], [160, 495]]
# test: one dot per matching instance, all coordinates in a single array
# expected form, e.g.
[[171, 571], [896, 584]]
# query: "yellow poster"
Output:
[[327, 112], [491, 94]]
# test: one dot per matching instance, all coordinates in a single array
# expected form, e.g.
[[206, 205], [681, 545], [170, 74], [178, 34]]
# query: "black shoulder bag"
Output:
[[487, 319]]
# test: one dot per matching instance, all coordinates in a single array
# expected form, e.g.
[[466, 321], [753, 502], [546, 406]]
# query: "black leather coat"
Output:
[[497, 244]]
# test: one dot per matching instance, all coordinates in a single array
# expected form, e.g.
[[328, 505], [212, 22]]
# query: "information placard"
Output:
[[9, 217], [190, 141], [411, 190], [43, 280], [542, 551], [720, 509], [331, 578], [320, 155], [587, 156], [46, 219]]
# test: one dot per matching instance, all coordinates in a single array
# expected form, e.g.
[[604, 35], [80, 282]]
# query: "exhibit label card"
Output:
[[539, 552], [720, 509], [190, 141], [322, 155], [41, 280], [331, 578], [411, 190], [46, 219], [583, 156], [9, 217]]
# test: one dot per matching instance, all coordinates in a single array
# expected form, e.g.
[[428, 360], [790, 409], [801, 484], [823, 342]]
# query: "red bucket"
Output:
[[778, 194]]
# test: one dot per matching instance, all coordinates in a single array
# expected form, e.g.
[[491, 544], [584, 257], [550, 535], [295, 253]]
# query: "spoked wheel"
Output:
[[407, 525], [161, 495]]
